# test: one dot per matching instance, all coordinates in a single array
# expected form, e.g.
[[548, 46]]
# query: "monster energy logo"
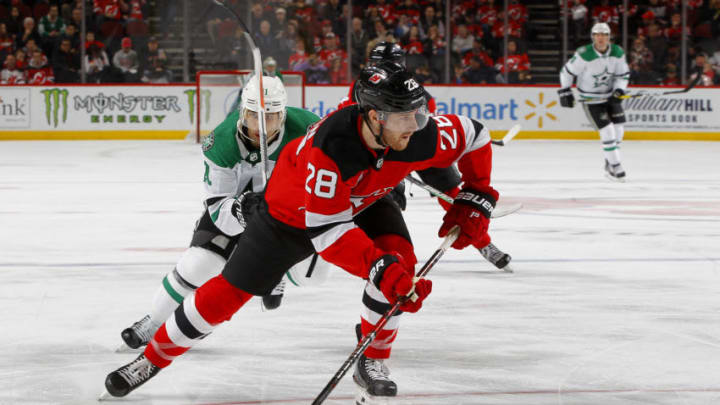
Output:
[[55, 101], [204, 105]]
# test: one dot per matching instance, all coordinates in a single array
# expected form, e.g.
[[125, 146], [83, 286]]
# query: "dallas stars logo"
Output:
[[603, 78]]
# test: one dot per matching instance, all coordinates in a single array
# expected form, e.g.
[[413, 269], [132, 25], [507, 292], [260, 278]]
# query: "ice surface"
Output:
[[614, 300]]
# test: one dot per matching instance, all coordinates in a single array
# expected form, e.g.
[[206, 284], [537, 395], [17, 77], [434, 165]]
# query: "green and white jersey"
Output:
[[598, 74], [231, 168]]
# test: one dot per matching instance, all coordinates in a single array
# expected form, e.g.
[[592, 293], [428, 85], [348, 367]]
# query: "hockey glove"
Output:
[[616, 97], [471, 212], [246, 206], [566, 97], [398, 195], [391, 275]]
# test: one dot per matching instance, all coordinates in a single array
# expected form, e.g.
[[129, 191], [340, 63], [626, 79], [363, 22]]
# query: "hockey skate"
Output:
[[130, 376], [139, 334], [274, 299], [373, 378], [614, 172], [497, 257]]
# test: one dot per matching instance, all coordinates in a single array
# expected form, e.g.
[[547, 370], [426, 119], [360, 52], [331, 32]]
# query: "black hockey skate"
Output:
[[127, 378], [139, 334], [373, 377], [497, 257], [274, 299], [614, 172]]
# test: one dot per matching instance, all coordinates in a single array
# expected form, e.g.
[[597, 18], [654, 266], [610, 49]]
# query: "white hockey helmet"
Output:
[[600, 28], [275, 99]]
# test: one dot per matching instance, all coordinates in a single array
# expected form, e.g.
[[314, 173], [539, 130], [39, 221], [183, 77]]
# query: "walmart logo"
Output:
[[540, 110]]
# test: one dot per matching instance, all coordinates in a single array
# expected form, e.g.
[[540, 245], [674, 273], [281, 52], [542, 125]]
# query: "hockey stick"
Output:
[[508, 136], [257, 67], [365, 342], [643, 93], [497, 212]]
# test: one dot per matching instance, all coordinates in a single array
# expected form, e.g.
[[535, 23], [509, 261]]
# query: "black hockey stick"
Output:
[[497, 212], [508, 136], [643, 93], [365, 342], [257, 67]]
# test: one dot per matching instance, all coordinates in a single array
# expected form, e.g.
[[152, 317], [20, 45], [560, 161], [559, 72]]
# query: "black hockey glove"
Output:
[[398, 195], [246, 206], [566, 97], [616, 96]]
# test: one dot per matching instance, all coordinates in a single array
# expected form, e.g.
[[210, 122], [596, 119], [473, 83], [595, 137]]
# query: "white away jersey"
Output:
[[598, 74]]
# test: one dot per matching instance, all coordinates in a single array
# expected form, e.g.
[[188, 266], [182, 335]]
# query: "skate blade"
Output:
[[508, 269], [615, 179], [105, 395], [363, 398]]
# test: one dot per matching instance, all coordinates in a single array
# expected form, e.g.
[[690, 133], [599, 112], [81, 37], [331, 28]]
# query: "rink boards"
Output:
[[168, 111]]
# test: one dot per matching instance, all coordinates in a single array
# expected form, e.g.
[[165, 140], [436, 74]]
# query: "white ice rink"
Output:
[[615, 299]]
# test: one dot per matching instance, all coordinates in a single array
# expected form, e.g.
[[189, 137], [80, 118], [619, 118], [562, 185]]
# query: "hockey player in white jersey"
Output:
[[232, 168], [601, 74]]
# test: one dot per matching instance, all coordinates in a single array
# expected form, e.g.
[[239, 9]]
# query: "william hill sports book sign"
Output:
[[169, 111]]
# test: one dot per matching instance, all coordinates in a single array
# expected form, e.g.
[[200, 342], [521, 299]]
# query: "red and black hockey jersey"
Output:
[[320, 182]]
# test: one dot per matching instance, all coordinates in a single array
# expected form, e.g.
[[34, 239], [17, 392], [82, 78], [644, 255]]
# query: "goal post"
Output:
[[217, 91]]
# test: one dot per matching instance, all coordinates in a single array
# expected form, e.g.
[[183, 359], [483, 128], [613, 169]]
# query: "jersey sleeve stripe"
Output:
[[314, 220], [476, 134], [568, 70], [331, 235]]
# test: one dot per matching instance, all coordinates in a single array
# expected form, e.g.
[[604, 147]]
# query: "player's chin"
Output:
[[401, 143]]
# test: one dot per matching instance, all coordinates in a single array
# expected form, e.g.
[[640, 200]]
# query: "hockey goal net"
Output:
[[216, 94]]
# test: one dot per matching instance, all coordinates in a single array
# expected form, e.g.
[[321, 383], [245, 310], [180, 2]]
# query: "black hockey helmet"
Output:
[[386, 51], [398, 98]]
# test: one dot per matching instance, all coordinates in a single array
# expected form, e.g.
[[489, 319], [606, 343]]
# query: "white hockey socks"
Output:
[[609, 140], [195, 267]]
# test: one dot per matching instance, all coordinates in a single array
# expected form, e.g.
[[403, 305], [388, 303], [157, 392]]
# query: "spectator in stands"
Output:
[[298, 58], [428, 20], [458, 75], [579, 25], [126, 60], [674, 32], [66, 62], [478, 73], [96, 64], [434, 48], [413, 49], [257, 15], [338, 71], [659, 10], [715, 61], [403, 26], [154, 68], [671, 77], [358, 41], [76, 19], [331, 50], [20, 58], [411, 9], [517, 64], [478, 51], [90, 40], [381, 34], [605, 13], [487, 16], [658, 46], [315, 71], [463, 41], [38, 70], [265, 40], [640, 61], [15, 22], [109, 10], [10, 73], [7, 45], [30, 47], [424, 75], [302, 11], [29, 32], [71, 33], [279, 22], [51, 27]]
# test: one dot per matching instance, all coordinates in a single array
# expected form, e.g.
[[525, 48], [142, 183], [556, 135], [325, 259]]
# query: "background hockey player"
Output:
[[232, 167], [341, 173], [445, 179], [601, 74]]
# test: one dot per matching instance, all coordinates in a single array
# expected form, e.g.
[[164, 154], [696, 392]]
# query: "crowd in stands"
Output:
[[40, 43], [313, 37], [40, 40], [654, 36]]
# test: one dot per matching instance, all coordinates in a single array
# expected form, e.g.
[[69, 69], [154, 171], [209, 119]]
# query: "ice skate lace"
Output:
[[137, 371], [279, 289], [492, 253], [144, 328], [377, 370]]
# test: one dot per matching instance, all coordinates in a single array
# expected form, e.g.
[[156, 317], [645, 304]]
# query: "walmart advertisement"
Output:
[[173, 111]]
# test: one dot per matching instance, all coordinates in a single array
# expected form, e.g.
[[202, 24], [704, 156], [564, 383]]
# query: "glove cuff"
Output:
[[237, 210], [377, 269], [564, 91]]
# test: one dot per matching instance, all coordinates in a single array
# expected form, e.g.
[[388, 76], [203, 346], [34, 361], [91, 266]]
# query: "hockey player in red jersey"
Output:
[[444, 179], [328, 193]]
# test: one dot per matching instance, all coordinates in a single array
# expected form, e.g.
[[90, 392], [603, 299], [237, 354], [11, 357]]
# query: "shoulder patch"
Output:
[[616, 51], [587, 53], [208, 141]]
